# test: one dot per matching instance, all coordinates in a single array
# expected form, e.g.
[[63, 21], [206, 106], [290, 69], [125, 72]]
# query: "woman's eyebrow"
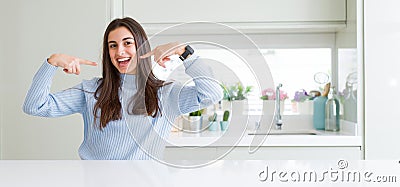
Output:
[[127, 38]]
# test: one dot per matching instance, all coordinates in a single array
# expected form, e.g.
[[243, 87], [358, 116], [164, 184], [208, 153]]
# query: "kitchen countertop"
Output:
[[218, 138], [238, 134]]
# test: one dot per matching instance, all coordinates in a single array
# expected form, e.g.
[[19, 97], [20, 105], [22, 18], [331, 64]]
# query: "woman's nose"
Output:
[[121, 51]]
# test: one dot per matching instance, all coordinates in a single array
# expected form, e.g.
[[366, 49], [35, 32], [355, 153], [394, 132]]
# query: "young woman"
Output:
[[128, 112]]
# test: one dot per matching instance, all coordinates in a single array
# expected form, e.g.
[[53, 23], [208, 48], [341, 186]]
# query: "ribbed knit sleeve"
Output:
[[206, 91], [40, 102]]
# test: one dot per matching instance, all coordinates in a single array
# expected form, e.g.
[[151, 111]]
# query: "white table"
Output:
[[149, 173]]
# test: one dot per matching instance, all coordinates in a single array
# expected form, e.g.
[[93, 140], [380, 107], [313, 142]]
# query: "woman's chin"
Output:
[[126, 71]]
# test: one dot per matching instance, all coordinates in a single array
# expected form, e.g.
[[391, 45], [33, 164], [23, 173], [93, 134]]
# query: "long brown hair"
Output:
[[145, 101]]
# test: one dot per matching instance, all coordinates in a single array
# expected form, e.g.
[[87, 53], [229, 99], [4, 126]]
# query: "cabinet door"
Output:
[[381, 53], [293, 153], [176, 11], [32, 31], [265, 153]]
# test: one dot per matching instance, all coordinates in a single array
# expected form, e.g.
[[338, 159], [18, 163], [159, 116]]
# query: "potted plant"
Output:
[[268, 97], [213, 125], [302, 102], [224, 123], [235, 92], [235, 95], [196, 113], [195, 120]]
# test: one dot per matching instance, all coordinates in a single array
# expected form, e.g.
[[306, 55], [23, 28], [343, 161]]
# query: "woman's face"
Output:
[[121, 46]]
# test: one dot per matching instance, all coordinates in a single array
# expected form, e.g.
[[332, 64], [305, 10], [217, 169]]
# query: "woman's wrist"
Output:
[[185, 52], [181, 50]]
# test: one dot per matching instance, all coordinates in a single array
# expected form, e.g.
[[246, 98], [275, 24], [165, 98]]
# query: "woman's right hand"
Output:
[[70, 64]]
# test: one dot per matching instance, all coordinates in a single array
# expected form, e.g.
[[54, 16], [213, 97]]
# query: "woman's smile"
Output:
[[123, 63]]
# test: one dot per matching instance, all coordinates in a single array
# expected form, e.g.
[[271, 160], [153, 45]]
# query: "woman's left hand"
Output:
[[162, 53]]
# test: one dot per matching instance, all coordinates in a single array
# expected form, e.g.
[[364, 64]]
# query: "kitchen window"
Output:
[[299, 69], [293, 60]]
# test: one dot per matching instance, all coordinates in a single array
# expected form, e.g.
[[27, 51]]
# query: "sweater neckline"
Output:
[[128, 81]]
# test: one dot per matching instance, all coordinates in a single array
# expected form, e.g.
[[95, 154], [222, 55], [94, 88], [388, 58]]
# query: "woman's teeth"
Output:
[[123, 60]]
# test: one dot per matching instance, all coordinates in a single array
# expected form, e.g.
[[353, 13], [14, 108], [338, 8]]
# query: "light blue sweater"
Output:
[[134, 137]]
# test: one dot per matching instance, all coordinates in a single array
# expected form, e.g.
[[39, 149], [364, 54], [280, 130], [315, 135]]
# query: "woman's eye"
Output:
[[128, 43], [112, 46]]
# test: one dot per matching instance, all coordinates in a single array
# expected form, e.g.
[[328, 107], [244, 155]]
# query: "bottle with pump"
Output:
[[332, 112], [319, 109]]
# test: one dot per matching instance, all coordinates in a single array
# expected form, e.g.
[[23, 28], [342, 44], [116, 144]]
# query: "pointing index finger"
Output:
[[87, 62], [149, 54]]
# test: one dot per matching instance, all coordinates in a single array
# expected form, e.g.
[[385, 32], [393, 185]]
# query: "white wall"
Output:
[[31, 31], [382, 79], [2, 77]]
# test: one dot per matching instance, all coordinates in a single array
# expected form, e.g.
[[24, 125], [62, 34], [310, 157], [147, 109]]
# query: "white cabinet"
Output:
[[265, 153], [293, 153], [382, 79], [258, 15], [176, 11]]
